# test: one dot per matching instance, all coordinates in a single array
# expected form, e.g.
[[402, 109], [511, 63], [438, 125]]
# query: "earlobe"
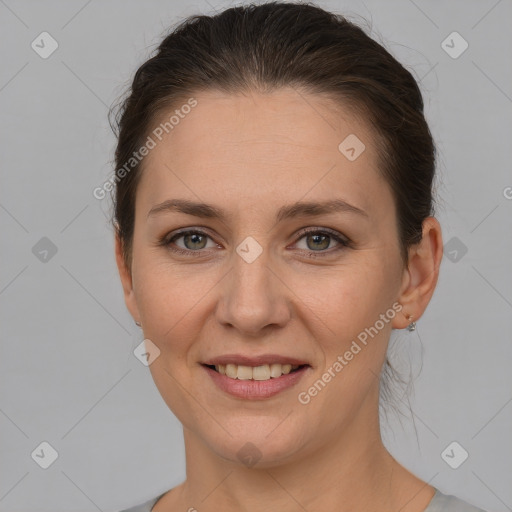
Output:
[[421, 275]]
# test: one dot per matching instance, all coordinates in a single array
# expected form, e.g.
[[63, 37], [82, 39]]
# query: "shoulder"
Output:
[[448, 503], [144, 507], [439, 503]]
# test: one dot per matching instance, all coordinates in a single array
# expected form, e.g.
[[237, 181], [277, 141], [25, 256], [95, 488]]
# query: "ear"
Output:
[[126, 280], [420, 276]]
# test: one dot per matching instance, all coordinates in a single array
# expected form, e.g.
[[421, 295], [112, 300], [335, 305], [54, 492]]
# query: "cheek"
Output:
[[346, 299], [352, 334], [171, 308], [169, 300]]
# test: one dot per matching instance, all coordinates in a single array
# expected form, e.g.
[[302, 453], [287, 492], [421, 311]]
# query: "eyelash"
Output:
[[343, 242]]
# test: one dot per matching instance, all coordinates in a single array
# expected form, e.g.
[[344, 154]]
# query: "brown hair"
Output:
[[272, 45]]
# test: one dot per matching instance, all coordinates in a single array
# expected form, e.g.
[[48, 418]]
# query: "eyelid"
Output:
[[343, 242], [321, 230], [166, 240]]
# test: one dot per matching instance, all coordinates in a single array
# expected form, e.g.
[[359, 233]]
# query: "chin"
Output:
[[258, 447]]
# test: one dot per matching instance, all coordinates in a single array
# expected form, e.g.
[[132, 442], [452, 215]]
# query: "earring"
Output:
[[412, 326], [137, 323]]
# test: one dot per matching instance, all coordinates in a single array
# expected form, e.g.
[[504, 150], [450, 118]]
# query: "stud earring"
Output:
[[412, 326]]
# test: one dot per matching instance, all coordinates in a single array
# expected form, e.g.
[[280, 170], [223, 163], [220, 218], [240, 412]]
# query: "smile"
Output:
[[255, 378]]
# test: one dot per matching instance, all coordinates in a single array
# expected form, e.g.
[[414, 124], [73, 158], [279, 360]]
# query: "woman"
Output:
[[273, 217]]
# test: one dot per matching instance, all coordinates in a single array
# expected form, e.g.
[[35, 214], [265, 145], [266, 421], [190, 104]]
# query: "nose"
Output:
[[253, 297]]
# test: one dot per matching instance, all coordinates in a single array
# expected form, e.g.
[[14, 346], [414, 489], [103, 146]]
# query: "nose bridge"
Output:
[[253, 296]]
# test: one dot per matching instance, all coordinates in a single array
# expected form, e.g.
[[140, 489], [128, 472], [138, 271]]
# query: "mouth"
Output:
[[255, 378]]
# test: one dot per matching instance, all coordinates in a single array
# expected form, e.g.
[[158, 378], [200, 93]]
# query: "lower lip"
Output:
[[256, 389]]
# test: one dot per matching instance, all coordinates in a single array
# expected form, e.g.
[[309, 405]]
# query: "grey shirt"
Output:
[[439, 503]]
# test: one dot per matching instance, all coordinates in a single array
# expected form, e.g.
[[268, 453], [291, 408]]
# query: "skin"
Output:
[[251, 154]]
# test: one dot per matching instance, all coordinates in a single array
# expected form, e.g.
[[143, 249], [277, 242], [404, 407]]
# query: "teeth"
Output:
[[275, 370], [231, 370], [264, 372], [261, 372], [244, 373], [287, 368]]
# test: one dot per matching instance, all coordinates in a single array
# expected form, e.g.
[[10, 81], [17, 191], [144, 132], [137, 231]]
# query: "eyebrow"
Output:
[[298, 209]]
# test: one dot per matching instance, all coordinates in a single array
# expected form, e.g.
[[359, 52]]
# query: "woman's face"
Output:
[[252, 288]]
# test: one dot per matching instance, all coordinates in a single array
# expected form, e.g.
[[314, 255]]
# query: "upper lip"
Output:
[[260, 360]]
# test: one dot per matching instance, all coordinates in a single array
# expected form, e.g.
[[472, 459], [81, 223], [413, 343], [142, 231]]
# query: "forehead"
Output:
[[259, 147]]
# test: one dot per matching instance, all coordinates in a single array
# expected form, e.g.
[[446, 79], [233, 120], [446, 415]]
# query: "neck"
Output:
[[351, 470]]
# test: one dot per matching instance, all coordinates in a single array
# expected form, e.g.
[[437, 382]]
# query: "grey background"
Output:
[[68, 374]]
